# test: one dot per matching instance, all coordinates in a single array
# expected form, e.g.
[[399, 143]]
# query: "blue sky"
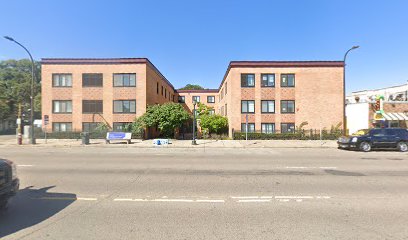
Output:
[[193, 41]]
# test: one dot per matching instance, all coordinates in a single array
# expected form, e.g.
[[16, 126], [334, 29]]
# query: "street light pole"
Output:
[[344, 90], [194, 123], [32, 139]]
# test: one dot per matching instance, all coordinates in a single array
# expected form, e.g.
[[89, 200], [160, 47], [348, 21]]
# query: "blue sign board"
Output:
[[116, 135]]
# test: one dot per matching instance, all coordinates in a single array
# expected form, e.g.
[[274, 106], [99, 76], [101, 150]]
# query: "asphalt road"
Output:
[[130, 193]]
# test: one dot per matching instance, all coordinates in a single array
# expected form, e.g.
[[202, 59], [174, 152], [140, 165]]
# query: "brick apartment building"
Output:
[[275, 96]]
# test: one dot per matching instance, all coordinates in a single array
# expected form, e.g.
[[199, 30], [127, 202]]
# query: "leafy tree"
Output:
[[192, 87], [213, 123], [166, 117], [15, 87], [203, 109]]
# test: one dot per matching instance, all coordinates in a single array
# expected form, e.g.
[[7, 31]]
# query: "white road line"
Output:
[[25, 165], [130, 200], [87, 199], [122, 199], [293, 197], [172, 200], [244, 197], [323, 197], [253, 200], [239, 199], [311, 167], [210, 201]]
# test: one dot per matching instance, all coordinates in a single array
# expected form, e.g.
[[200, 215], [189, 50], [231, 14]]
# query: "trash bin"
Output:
[[85, 138]]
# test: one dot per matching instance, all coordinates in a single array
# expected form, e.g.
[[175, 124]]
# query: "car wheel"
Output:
[[365, 146], [402, 146]]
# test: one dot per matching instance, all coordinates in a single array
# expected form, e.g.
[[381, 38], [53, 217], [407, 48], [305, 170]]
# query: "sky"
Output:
[[194, 41]]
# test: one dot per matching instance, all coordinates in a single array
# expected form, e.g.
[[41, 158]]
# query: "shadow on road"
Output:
[[30, 207]]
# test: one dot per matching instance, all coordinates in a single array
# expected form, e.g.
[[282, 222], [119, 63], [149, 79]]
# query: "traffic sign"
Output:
[[46, 119]]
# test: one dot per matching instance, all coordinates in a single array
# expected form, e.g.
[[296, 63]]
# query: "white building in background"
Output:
[[391, 94], [358, 115], [359, 107]]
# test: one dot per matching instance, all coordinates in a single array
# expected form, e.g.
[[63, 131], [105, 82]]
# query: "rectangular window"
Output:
[[267, 80], [211, 112], [226, 111], [124, 106], [248, 106], [287, 106], [251, 127], [287, 128], [62, 106], [226, 88], [196, 99], [287, 80], [157, 88], [268, 106], [173, 98], [120, 126], [124, 80], [62, 80], [211, 99], [165, 93], [62, 127], [89, 126], [92, 106], [247, 80], [92, 80], [181, 99], [268, 127], [162, 90]]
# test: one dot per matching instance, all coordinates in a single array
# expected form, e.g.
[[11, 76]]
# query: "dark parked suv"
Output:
[[377, 138], [9, 183]]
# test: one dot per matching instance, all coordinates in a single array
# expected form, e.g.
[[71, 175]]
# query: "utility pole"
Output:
[[344, 89], [32, 139]]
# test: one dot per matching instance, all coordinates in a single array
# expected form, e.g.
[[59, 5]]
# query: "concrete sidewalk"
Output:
[[136, 143]]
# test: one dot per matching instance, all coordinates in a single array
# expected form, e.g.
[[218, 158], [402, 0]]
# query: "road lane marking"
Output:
[[122, 199], [323, 197], [87, 199], [210, 201], [311, 167], [130, 200], [253, 200], [25, 165], [172, 200], [293, 197], [243, 197], [236, 199]]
